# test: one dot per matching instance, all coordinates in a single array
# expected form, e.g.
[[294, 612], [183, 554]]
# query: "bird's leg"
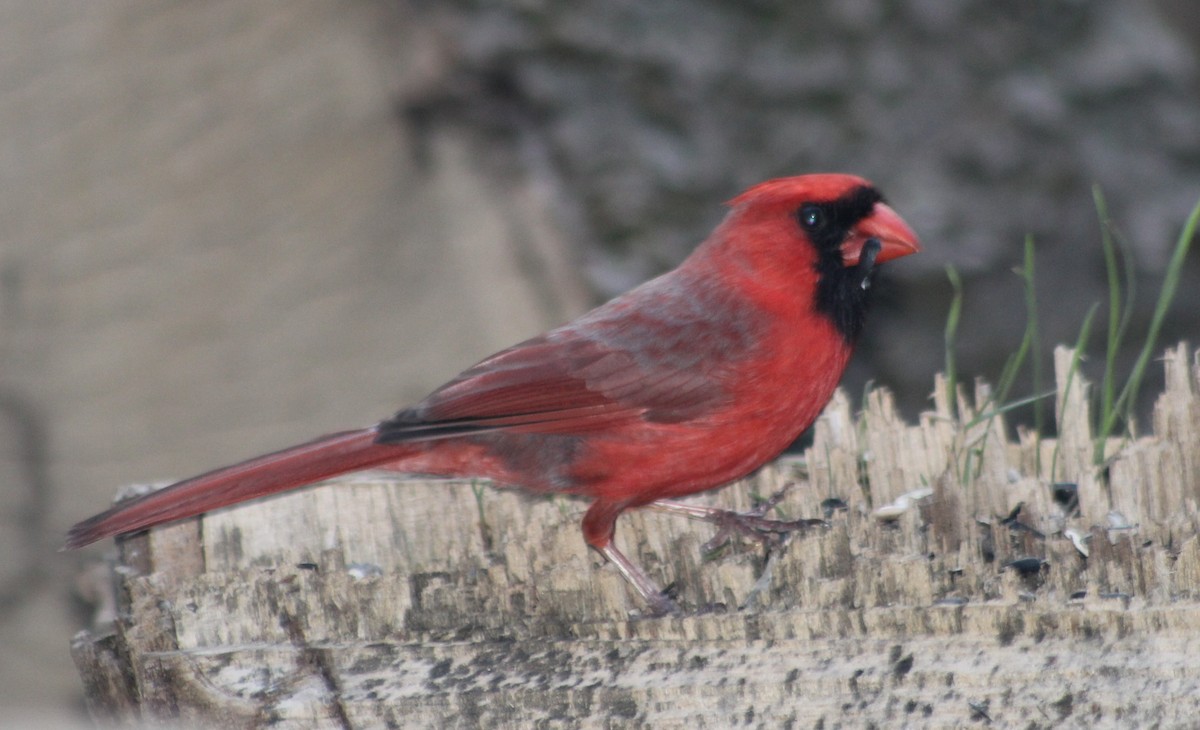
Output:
[[660, 604], [752, 524], [599, 524]]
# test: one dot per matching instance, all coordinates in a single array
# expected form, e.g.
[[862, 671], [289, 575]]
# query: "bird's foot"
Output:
[[753, 524], [658, 603], [755, 527]]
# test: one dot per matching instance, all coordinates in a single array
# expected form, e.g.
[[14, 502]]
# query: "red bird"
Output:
[[686, 383]]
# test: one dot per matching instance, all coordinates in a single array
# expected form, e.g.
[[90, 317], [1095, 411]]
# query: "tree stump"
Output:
[[928, 599]]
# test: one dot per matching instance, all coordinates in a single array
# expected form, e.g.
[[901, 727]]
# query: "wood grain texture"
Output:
[[376, 602]]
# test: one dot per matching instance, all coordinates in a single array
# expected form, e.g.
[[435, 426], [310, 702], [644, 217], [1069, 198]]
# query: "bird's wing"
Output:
[[559, 383]]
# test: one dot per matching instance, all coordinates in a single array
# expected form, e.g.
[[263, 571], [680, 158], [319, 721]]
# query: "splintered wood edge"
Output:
[[525, 564]]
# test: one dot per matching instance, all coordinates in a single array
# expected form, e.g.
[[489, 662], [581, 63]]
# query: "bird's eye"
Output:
[[812, 217]]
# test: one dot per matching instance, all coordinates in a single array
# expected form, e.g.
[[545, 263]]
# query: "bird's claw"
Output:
[[660, 605], [755, 527], [754, 524]]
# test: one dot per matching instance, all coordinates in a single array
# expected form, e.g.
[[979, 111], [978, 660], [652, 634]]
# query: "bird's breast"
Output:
[[771, 396]]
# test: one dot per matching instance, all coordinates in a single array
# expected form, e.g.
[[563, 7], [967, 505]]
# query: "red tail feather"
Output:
[[297, 466]]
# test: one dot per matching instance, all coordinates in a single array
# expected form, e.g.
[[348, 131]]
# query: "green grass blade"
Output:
[[1127, 401], [1006, 407], [1031, 329], [1012, 365], [951, 337], [1108, 386]]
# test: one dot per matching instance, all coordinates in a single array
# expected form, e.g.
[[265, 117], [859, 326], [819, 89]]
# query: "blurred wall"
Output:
[[218, 238]]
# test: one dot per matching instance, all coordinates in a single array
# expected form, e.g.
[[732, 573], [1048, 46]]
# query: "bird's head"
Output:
[[825, 231]]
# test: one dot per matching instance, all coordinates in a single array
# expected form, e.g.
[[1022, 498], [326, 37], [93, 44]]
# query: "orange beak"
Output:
[[895, 238]]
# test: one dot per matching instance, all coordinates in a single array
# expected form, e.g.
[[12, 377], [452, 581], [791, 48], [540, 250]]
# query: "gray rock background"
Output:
[[226, 225], [982, 122]]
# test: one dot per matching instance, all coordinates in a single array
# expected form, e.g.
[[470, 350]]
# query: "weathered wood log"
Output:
[[374, 602]]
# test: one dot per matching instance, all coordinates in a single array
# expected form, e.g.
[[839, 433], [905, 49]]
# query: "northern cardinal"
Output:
[[686, 383]]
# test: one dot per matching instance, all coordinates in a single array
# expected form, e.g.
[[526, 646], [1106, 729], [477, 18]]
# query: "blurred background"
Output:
[[227, 226]]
